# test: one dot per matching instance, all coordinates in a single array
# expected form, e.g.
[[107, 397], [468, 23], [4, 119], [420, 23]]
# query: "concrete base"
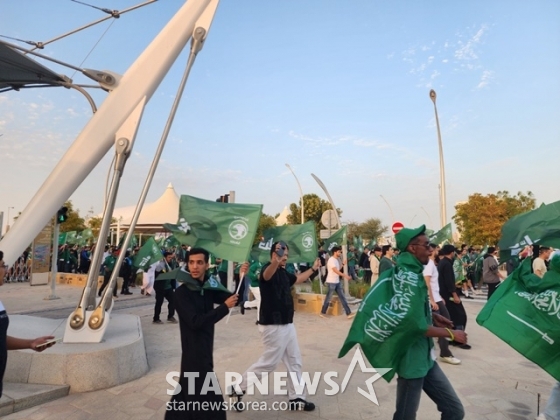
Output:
[[120, 358], [17, 397]]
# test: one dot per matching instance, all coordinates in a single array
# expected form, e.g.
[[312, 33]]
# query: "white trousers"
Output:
[[148, 282], [280, 344], [255, 303]]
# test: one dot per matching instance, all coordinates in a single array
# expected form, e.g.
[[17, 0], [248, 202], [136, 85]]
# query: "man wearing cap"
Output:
[[417, 369], [374, 260], [333, 282]]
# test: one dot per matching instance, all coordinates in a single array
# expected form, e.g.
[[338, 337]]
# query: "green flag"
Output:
[[337, 239], [62, 238], [360, 244], [133, 242], [147, 255], [170, 242], [442, 235], [393, 315], [71, 237], [541, 226], [226, 230], [525, 312], [301, 241]]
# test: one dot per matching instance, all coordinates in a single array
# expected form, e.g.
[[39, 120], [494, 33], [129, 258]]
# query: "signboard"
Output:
[[41, 256], [397, 226], [329, 219]]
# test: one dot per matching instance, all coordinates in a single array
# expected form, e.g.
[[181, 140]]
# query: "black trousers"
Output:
[[4, 321], [106, 278], [492, 288], [457, 314], [160, 296]]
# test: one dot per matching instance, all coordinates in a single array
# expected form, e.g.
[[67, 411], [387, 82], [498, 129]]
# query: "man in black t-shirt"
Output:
[[276, 325]]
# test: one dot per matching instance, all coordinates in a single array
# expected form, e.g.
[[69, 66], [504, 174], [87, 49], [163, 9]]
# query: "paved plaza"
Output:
[[494, 382]]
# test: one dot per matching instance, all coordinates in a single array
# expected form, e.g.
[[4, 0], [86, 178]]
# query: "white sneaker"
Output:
[[541, 417], [351, 315], [451, 360]]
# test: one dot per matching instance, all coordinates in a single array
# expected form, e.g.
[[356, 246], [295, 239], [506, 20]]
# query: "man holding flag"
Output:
[[276, 325], [394, 329]]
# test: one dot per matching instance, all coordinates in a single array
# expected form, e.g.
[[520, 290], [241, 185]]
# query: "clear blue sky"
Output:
[[333, 87]]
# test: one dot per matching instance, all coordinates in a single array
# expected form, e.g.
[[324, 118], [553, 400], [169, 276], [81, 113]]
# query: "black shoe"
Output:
[[464, 346], [127, 293], [235, 399], [469, 297], [242, 309], [157, 321], [300, 404]]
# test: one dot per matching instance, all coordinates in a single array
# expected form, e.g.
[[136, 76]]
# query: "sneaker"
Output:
[[469, 297], [451, 360], [541, 417], [172, 320], [464, 346], [142, 291], [300, 404], [235, 398], [351, 315], [158, 321], [322, 315], [147, 294]]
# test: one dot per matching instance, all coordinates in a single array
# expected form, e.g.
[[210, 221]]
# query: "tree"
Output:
[[369, 230], [265, 222], [74, 222], [314, 207], [480, 219], [94, 223]]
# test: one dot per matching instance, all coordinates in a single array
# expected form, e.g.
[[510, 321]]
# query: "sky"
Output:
[[336, 88]]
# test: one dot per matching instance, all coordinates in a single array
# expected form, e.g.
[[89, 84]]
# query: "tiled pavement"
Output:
[[494, 382]]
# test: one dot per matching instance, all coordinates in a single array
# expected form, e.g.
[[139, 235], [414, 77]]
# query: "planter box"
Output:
[[79, 280], [312, 303]]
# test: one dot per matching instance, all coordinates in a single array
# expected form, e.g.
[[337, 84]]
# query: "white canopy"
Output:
[[164, 210]]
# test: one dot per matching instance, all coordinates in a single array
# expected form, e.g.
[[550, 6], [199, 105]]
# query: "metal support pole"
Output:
[[54, 262], [300, 193], [442, 192]]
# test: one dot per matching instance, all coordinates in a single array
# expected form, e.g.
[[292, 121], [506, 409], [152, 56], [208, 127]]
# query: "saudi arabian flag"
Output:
[[226, 230], [301, 241], [133, 242], [87, 234], [525, 313], [62, 238], [360, 244], [443, 235], [540, 226], [337, 239], [394, 314], [170, 242], [71, 237], [147, 255]]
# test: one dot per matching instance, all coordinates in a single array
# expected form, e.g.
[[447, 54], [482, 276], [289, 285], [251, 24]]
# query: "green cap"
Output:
[[405, 235]]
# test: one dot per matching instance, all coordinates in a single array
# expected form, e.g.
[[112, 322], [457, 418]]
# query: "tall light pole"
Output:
[[442, 200], [390, 208], [8, 220], [300, 192]]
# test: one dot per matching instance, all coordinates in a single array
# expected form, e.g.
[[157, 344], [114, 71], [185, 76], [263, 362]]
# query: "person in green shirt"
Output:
[[386, 261], [417, 371], [109, 265], [352, 259]]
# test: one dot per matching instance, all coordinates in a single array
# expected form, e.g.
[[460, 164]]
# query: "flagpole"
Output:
[[344, 251], [300, 192], [241, 279], [390, 208], [442, 199]]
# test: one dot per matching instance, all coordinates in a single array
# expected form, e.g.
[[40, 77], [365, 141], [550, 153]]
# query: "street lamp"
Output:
[[300, 191], [390, 209], [442, 201], [429, 217], [8, 220]]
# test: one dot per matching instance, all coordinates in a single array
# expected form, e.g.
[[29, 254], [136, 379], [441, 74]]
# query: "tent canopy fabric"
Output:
[[17, 71], [164, 210]]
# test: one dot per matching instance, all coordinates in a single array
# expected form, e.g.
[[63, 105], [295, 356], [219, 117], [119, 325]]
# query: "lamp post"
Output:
[[8, 220], [300, 192], [442, 200], [390, 208]]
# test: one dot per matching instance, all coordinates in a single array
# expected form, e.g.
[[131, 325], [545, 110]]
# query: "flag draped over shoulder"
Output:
[[337, 239], [301, 240], [541, 226], [524, 311], [443, 235], [392, 316], [147, 255], [227, 230]]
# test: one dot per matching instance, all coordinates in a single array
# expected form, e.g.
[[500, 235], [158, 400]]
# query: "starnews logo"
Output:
[[308, 383]]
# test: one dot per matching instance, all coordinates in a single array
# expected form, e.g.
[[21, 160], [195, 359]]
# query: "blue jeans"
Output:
[[335, 287], [552, 410], [438, 388], [352, 272]]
